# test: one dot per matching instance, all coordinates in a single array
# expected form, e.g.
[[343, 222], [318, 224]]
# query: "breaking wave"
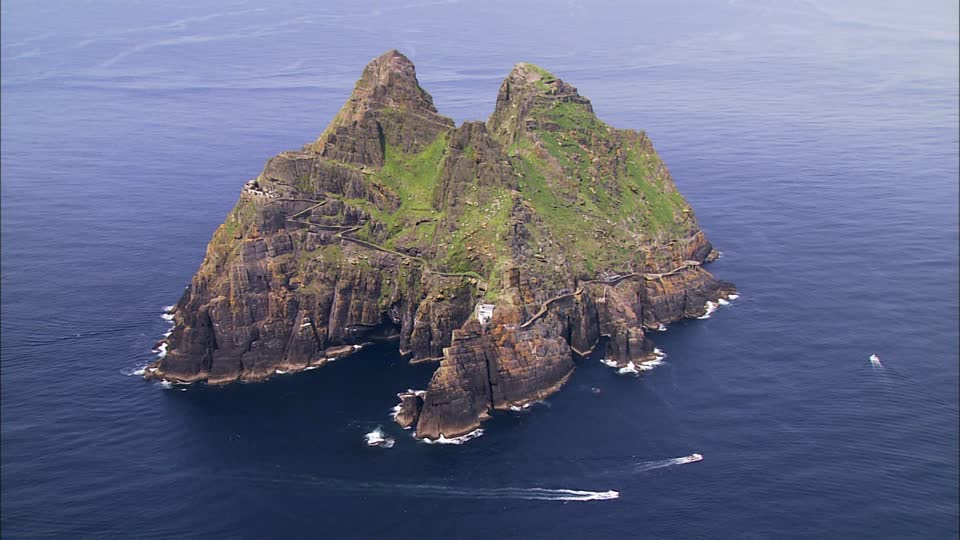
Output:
[[529, 405], [710, 307], [655, 361], [167, 315], [630, 368], [635, 369], [456, 440], [378, 438]]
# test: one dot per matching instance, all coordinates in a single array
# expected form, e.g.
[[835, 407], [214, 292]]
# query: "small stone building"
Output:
[[484, 313]]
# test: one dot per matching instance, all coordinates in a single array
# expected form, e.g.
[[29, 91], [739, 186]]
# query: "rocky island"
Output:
[[503, 251]]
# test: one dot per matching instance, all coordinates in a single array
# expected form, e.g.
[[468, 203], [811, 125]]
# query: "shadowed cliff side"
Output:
[[395, 224]]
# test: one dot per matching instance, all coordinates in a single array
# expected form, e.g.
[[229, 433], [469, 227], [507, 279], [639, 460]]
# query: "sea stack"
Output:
[[503, 251]]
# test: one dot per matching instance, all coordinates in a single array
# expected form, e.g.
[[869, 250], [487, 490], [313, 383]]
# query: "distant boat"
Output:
[[875, 360]]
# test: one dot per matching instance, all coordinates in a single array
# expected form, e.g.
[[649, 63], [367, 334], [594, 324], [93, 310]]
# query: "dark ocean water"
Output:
[[818, 145]]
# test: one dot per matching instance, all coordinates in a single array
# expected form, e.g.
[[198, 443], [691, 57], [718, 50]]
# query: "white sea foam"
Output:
[[166, 385], [630, 368], [456, 440], [308, 368], [167, 315], [711, 307], [633, 368], [650, 365], [394, 412], [661, 328], [657, 360], [723, 302], [732, 296], [281, 372], [378, 438], [644, 466], [357, 347], [161, 350], [526, 406], [140, 372]]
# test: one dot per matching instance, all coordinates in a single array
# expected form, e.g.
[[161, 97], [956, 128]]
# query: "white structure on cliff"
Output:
[[484, 313]]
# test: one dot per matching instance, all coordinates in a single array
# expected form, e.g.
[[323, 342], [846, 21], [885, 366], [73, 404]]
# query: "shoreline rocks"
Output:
[[397, 226]]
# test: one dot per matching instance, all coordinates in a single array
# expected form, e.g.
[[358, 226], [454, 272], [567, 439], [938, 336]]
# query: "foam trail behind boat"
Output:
[[523, 493], [915, 386], [644, 466], [441, 491]]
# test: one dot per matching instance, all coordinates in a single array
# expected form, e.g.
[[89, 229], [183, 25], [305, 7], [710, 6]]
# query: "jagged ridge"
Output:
[[394, 224]]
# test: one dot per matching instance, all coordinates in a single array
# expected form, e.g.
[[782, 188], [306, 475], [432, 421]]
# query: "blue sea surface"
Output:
[[818, 144]]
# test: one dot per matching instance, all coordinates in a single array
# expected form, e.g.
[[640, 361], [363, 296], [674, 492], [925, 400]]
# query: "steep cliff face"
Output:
[[395, 225]]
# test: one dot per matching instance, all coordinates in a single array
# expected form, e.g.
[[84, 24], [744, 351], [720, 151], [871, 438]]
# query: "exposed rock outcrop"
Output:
[[395, 225]]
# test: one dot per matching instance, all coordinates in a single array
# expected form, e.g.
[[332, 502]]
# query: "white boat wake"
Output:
[[523, 493], [889, 373], [644, 466], [446, 492], [467, 492]]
